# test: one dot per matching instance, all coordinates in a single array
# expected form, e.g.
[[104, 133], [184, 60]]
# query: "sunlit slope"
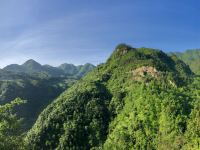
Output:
[[140, 98]]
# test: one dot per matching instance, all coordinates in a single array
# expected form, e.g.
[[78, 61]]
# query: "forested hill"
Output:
[[139, 99], [192, 58], [34, 68], [37, 84]]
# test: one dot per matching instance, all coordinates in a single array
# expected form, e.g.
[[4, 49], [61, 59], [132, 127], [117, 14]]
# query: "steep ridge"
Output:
[[36, 83], [78, 71], [38, 92], [111, 109], [190, 57]]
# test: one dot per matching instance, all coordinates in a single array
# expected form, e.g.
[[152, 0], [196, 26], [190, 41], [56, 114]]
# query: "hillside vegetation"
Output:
[[37, 84], [139, 99], [11, 134], [192, 58]]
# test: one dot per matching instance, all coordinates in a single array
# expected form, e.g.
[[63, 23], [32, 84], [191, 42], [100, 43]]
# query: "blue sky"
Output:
[[80, 31]]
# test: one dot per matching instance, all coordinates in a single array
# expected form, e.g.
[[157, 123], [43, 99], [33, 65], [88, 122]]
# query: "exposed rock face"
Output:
[[144, 71], [122, 51]]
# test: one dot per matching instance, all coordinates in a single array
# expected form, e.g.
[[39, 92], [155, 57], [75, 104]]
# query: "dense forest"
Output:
[[140, 98], [190, 57], [38, 85]]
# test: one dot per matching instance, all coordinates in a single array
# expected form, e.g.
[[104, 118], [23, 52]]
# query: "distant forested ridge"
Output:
[[192, 58], [34, 68], [37, 84], [141, 98]]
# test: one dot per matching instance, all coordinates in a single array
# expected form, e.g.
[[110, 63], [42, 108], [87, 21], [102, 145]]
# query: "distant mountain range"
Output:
[[38, 84], [33, 67], [191, 58]]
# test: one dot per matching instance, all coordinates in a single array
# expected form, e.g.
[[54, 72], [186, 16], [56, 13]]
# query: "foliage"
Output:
[[191, 57], [10, 126], [108, 109], [40, 85], [38, 92]]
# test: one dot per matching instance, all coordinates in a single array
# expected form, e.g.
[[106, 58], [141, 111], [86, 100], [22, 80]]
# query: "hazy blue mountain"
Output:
[[190, 57], [33, 67], [79, 70], [36, 83], [68, 68], [83, 69], [14, 68]]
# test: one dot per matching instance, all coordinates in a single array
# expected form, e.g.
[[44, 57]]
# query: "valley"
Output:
[[38, 85]]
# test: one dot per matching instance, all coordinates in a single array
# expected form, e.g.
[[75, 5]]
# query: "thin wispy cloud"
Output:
[[53, 39], [54, 32]]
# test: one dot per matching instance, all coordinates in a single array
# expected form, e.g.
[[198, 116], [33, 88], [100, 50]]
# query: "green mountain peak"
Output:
[[134, 100], [31, 63]]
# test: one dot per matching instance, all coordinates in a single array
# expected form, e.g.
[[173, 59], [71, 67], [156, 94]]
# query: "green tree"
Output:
[[10, 126]]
